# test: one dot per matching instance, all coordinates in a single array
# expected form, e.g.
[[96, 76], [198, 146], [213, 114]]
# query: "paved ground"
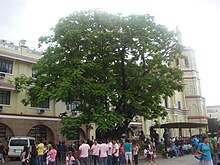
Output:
[[185, 160]]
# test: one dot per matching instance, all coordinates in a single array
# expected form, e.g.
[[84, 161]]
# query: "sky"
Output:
[[198, 20]]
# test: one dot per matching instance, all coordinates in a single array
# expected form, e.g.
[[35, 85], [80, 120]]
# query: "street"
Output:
[[184, 160]]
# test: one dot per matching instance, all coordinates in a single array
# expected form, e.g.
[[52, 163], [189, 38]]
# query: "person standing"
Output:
[[128, 151], [121, 154], [115, 153], [109, 144], [95, 152], [166, 136], [2, 152], [58, 150], [214, 154], [135, 153], [103, 153], [33, 159], [25, 155], [204, 148], [63, 150], [195, 142], [84, 153], [40, 153], [52, 153]]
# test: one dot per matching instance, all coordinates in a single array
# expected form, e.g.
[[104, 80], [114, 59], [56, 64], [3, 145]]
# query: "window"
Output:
[[2, 132], [179, 105], [46, 104], [5, 97], [34, 73], [166, 103], [72, 106], [186, 62], [19, 142], [6, 66]]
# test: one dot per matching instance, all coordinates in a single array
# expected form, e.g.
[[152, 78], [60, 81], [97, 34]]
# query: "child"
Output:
[[135, 153], [70, 160]]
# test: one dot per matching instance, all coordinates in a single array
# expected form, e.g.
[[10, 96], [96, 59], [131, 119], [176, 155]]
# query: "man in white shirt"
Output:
[[95, 152], [115, 152], [109, 144], [84, 153], [103, 153]]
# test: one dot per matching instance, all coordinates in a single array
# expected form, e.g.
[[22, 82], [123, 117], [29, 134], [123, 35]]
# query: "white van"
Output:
[[16, 145]]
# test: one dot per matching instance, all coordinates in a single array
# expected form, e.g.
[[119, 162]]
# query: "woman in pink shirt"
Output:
[[135, 152], [52, 153]]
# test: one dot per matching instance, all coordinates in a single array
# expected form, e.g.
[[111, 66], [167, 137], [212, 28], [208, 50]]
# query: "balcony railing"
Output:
[[19, 47]]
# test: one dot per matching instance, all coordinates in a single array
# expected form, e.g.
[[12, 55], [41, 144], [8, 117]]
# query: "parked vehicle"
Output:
[[16, 145]]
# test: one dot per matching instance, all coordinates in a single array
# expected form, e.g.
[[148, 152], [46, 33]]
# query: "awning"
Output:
[[183, 125]]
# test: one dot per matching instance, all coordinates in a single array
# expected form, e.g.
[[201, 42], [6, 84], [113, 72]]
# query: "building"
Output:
[[15, 118], [187, 106], [214, 118], [213, 112]]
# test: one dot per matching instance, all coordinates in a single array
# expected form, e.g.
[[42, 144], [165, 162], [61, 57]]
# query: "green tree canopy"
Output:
[[117, 66]]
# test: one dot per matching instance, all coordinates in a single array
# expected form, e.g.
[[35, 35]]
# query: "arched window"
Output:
[[186, 60]]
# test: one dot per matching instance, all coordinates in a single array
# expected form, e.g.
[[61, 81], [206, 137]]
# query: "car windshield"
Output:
[[18, 142]]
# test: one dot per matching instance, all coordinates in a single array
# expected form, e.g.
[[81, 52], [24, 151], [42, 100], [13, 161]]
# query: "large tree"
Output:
[[117, 66]]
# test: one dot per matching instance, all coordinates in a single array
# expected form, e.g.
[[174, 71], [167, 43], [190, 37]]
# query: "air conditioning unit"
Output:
[[76, 113], [40, 111], [2, 74], [1, 108]]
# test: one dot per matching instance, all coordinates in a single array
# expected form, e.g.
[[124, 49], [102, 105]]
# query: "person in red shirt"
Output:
[[121, 154]]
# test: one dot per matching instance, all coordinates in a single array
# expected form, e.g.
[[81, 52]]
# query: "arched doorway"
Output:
[[5, 133], [41, 132]]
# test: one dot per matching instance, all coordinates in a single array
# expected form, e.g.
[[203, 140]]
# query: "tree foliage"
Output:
[[117, 66]]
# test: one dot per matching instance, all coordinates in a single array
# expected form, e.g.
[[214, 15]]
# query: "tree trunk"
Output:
[[123, 77]]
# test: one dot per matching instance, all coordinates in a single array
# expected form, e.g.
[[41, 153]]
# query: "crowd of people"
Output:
[[208, 148], [119, 152], [97, 152]]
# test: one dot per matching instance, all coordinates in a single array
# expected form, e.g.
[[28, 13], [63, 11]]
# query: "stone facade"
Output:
[[185, 106]]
